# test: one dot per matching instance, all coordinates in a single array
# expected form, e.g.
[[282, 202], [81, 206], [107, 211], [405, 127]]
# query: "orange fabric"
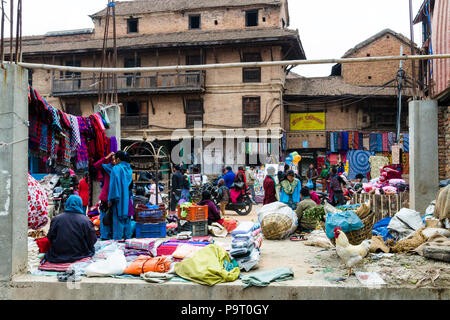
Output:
[[145, 264]]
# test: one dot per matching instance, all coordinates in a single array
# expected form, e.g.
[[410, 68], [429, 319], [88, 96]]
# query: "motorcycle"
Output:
[[242, 207], [323, 197], [60, 196]]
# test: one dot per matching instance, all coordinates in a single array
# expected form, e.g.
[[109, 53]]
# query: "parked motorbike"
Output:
[[323, 197], [60, 196], [242, 207]]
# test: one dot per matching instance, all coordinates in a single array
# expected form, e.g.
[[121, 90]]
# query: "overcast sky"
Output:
[[328, 28]]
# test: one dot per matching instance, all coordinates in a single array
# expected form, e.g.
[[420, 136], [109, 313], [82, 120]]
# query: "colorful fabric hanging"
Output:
[[391, 140], [113, 144], [405, 141], [75, 140], [373, 144], [350, 140], [379, 142], [333, 141], [385, 138], [355, 140], [362, 143], [339, 141], [358, 163], [344, 143]]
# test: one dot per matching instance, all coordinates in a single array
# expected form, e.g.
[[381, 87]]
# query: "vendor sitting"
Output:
[[305, 204], [213, 213], [72, 235]]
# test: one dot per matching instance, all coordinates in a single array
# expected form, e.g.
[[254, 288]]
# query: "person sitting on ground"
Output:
[[290, 190], [72, 235], [305, 204], [224, 196], [213, 213]]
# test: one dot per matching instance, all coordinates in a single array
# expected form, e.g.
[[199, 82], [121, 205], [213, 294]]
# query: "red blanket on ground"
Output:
[[61, 267]]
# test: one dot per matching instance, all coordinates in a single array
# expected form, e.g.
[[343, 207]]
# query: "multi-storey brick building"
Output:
[[169, 32], [434, 16], [354, 97]]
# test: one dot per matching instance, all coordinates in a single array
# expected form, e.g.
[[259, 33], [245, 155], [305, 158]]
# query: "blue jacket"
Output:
[[229, 178]]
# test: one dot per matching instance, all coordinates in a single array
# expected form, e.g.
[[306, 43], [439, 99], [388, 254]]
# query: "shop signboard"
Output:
[[307, 121]]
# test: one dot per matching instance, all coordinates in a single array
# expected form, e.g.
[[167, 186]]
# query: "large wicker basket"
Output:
[[276, 226], [355, 237]]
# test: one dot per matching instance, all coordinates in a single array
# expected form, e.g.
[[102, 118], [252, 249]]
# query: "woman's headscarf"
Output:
[[74, 204]]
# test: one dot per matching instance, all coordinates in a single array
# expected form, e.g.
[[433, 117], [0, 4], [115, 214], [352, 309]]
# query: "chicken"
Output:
[[351, 255]]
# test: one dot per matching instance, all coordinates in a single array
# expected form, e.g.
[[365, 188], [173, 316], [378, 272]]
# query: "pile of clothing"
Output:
[[58, 137], [386, 185], [246, 245]]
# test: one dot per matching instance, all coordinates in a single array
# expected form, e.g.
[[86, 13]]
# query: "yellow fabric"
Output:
[[206, 267]]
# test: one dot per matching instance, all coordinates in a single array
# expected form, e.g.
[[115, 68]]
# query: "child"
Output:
[[224, 196]]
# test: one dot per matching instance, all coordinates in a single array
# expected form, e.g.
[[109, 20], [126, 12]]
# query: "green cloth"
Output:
[[207, 267], [324, 173], [264, 278], [288, 186]]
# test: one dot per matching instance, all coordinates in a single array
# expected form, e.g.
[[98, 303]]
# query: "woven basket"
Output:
[[308, 224], [276, 226], [355, 237]]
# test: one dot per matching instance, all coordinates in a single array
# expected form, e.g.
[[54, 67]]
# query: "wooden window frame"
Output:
[[193, 114], [246, 72], [129, 20], [253, 11], [245, 122], [199, 16]]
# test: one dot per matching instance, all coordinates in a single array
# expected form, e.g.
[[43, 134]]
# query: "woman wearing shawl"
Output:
[[71, 235], [290, 190], [324, 174], [239, 186], [104, 168], [121, 178], [270, 187]]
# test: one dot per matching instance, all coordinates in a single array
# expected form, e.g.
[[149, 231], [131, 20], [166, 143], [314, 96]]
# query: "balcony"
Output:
[[132, 83]]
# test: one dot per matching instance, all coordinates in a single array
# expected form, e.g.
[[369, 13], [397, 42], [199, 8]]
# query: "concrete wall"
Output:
[[380, 72], [444, 142], [170, 22], [423, 161], [13, 171]]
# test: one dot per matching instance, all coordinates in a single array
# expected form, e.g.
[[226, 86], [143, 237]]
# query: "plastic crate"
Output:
[[194, 213], [151, 230], [145, 215], [198, 228]]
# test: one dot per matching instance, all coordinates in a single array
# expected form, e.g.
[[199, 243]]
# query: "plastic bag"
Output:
[[347, 220], [115, 264], [310, 184]]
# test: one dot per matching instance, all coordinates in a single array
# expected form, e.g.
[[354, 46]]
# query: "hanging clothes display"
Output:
[[66, 138]]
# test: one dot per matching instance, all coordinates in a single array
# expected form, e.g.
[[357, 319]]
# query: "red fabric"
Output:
[[43, 244], [269, 190], [83, 189], [234, 194], [314, 197], [61, 267], [245, 179], [104, 177], [100, 138]]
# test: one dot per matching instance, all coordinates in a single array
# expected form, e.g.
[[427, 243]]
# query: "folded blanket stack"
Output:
[[246, 244]]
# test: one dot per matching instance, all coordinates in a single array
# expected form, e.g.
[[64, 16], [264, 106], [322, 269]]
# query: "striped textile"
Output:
[[61, 267]]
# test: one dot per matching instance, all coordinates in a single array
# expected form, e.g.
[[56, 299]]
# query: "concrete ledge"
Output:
[[44, 288]]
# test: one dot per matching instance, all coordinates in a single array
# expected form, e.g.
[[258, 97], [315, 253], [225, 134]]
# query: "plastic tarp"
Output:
[[347, 220], [279, 208], [380, 228], [405, 223]]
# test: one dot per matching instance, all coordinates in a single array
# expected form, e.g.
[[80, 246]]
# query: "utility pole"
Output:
[[413, 73], [400, 78]]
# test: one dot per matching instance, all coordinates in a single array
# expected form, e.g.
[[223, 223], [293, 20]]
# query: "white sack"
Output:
[[115, 264], [279, 208]]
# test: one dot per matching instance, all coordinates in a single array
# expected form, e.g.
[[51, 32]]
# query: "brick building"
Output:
[[354, 97], [434, 17], [169, 32]]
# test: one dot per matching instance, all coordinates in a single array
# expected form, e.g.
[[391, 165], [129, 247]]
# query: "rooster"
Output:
[[351, 255]]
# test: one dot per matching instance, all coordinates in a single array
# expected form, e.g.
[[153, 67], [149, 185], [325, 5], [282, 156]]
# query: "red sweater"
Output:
[[83, 189]]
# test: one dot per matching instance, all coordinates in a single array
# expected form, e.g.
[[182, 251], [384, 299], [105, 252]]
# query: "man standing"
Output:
[[312, 175], [177, 186], [250, 176], [336, 190]]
